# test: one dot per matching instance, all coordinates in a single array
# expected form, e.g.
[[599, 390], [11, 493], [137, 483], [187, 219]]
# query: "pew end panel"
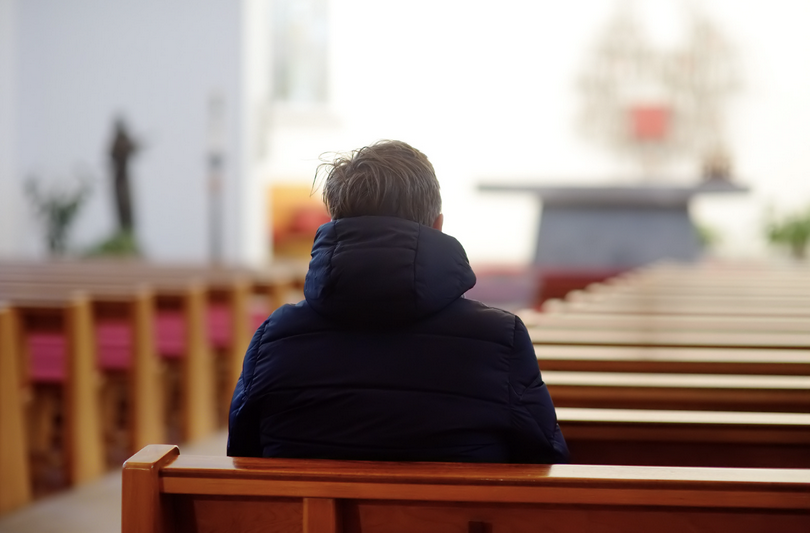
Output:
[[15, 488], [166, 491], [84, 444], [77, 380], [195, 360]]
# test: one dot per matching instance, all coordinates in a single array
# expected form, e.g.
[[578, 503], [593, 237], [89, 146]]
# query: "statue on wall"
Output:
[[121, 151], [122, 242]]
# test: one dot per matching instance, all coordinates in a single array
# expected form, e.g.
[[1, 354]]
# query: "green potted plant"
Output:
[[57, 207], [793, 231]]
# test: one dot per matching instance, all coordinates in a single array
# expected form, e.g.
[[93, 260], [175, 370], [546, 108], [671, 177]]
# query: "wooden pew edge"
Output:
[[160, 468], [140, 497], [15, 488]]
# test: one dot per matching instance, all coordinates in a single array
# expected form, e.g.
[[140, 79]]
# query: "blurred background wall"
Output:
[[75, 66], [489, 91], [9, 197]]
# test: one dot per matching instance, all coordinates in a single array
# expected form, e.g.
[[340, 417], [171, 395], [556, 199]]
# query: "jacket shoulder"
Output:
[[475, 320], [293, 319]]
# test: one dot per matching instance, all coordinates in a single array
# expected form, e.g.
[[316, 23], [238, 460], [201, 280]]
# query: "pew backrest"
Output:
[[673, 360], [165, 491]]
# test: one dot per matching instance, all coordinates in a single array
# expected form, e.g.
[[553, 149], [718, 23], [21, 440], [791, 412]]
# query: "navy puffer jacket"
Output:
[[385, 360]]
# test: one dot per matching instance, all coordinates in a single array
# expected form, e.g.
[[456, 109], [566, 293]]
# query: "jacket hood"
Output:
[[384, 271]]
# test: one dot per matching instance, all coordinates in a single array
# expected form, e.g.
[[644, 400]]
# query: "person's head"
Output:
[[388, 178]]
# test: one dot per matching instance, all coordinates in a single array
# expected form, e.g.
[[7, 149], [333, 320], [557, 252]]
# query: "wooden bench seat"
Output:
[[694, 274], [687, 308], [686, 438], [655, 297], [706, 392], [724, 268], [699, 289], [164, 491], [673, 360], [694, 289], [555, 316], [551, 335]]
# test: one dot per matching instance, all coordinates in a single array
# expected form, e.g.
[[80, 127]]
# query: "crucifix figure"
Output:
[[122, 149]]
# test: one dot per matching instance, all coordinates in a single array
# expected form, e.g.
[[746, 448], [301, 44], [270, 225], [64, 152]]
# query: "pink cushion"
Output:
[[48, 353], [114, 344], [219, 325], [256, 318], [170, 329]]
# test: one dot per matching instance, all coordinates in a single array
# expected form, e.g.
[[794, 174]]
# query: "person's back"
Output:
[[385, 359]]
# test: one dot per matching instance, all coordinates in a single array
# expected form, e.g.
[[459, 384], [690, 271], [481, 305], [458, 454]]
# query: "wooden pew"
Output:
[[550, 335], [15, 489], [673, 360], [276, 284], [231, 294], [687, 287], [685, 307], [227, 294], [686, 438], [72, 318], [197, 373], [166, 491], [754, 288], [728, 274], [657, 296], [233, 288], [555, 316], [706, 392], [660, 286]]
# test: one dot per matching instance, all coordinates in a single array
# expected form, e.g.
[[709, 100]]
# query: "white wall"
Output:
[[9, 195], [82, 62], [770, 122], [488, 91], [253, 238]]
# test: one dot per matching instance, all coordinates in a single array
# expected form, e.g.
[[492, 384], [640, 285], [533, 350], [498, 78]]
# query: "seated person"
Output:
[[385, 359]]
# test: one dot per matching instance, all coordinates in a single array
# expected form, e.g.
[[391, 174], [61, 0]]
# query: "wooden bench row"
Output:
[[677, 386], [673, 360], [164, 491], [555, 316], [74, 323], [592, 356], [549, 334]]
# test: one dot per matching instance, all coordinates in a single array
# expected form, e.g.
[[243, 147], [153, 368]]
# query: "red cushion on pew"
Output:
[[257, 316], [47, 357], [170, 328], [219, 325], [114, 344], [49, 350]]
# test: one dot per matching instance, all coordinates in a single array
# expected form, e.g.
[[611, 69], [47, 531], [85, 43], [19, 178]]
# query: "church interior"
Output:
[[630, 177]]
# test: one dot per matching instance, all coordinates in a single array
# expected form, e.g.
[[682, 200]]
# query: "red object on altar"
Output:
[[649, 122]]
